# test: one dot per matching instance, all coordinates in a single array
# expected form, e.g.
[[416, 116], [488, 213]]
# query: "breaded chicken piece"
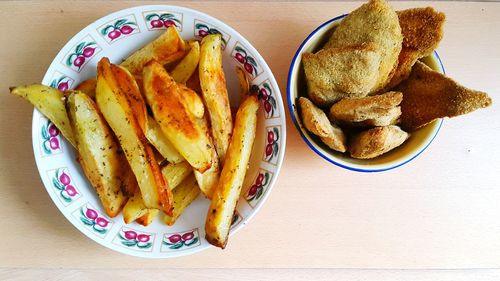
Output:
[[377, 141], [422, 30], [375, 22], [316, 122], [428, 95], [380, 110], [336, 73]]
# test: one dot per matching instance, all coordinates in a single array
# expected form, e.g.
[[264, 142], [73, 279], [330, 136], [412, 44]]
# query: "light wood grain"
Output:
[[439, 211]]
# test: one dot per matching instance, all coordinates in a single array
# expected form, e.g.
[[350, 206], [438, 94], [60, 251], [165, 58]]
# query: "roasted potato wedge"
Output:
[[87, 87], [117, 111], [51, 103], [135, 210], [243, 81], [157, 138], [187, 132], [207, 181], [175, 173], [98, 152], [184, 194], [188, 64], [228, 189], [214, 90], [165, 49]]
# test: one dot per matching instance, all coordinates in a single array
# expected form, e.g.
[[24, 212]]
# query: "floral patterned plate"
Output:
[[116, 36]]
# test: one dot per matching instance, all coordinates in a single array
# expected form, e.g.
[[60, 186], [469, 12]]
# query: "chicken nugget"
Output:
[[374, 22], [316, 122], [428, 95], [380, 110], [336, 73], [376, 141], [422, 30]]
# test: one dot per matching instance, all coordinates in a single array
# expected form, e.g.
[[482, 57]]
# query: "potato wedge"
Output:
[[148, 217], [207, 181], [184, 194], [157, 138], [187, 132], [243, 81], [167, 48], [135, 210], [214, 90], [51, 103], [98, 152], [176, 173], [117, 111], [188, 64], [87, 87], [228, 189]]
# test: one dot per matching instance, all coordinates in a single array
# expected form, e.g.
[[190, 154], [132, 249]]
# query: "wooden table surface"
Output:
[[440, 211]]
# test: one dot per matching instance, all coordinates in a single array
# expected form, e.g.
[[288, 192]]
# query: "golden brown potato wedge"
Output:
[[176, 173], [98, 152], [135, 210], [188, 64], [117, 111], [214, 89], [207, 181], [87, 87], [187, 132], [228, 189], [51, 103], [244, 82], [157, 138], [184, 194], [165, 49]]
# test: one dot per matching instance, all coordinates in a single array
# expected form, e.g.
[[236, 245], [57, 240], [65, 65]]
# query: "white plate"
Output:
[[116, 36]]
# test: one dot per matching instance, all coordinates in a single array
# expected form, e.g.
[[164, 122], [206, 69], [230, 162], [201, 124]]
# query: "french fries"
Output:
[[97, 152], [184, 194], [167, 48], [207, 181], [117, 111], [228, 189], [87, 87], [135, 209], [157, 138], [213, 86], [187, 132], [186, 67], [51, 103]]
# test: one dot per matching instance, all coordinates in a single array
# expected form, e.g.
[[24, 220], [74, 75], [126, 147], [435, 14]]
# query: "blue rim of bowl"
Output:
[[296, 123]]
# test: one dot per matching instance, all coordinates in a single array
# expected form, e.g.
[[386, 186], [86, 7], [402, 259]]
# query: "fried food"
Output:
[[346, 72], [168, 47], [227, 192], [380, 110], [422, 30], [316, 122], [185, 193], [374, 22], [428, 95], [376, 141]]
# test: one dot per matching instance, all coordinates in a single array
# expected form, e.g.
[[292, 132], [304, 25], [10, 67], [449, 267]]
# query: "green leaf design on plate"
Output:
[[275, 148], [105, 30], [46, 147], [79, 48], [266, 178], [201, 26], [268, 88], [259, 193], [57, 184], [129, 243], [276, 133], [176, 246], [191, 242], [99, 230], [66, 198], [148, 245], [45, 133], [69, 60], [87, 221], [119, 23], [151, 16], [241, 50], [251, 61]]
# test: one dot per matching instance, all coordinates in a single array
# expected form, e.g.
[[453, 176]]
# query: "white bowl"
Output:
[[52, 161], [296, 87]]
